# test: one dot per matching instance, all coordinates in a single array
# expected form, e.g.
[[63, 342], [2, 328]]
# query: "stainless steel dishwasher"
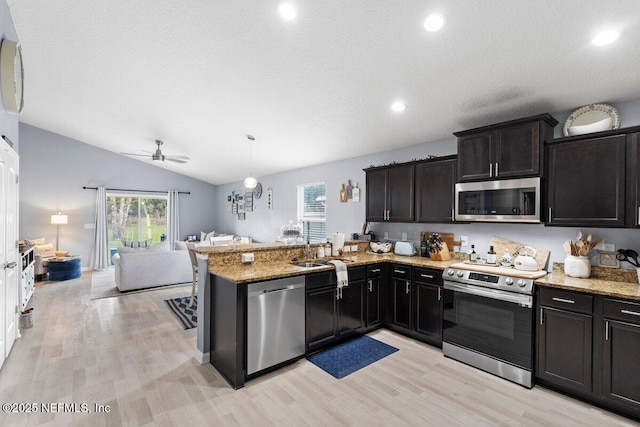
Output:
[[275, 322]]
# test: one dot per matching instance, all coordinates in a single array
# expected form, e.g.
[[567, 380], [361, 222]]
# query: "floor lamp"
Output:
[[57, 219]]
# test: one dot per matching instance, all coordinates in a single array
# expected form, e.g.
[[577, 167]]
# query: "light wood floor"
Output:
[[130, 353]]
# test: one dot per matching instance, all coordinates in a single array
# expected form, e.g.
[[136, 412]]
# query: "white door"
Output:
[[9, 258]]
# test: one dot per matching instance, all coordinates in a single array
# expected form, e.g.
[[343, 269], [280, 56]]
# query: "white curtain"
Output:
[[100, 253], [173, 232]]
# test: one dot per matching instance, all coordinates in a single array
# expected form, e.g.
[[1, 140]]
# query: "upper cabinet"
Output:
[[594, 180], [435, 184], [504, 150], [390, 193]]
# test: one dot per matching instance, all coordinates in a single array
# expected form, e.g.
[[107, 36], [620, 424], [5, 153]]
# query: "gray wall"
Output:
[[8, 121], [263, 225], [54, 169]]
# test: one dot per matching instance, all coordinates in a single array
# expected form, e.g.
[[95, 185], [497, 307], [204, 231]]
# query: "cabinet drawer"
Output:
[[427, 275], [566, 300], [357, 273], [622, 310], [400, 271], [318, 280], [374, 270]]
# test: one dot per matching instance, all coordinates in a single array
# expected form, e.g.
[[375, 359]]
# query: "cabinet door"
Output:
[[376, 195], [621, 369], [428, 309], [475, 157], [373, 301], [565, 349], [435, 185], [632, 215], [321, 314], [587, 182], [517, 151], [400, 190], [351, 307], [401, 302]]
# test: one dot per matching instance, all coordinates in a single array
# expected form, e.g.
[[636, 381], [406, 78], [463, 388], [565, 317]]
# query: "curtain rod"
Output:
[[135, 191]]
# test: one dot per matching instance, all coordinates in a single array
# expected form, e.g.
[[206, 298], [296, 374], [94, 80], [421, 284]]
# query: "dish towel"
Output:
[[341, 273]]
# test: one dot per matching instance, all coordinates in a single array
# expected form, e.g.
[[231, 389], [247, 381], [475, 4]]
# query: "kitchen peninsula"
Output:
[[223, 337]]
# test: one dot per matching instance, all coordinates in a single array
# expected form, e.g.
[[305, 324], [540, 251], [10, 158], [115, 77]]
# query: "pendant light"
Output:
[[250, 182]]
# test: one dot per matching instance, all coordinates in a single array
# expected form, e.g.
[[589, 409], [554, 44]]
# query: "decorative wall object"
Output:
[[242, 216], [356, 193], [343, 194], [248, 201], [269, 198]]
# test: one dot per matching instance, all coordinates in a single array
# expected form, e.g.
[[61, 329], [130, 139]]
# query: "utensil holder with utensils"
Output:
[[577, 266]]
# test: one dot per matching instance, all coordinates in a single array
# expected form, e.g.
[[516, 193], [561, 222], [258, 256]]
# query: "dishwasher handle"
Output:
[[268, 291]]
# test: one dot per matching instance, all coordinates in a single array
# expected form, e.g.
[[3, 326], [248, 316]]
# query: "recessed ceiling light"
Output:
[[398, 106], [434, 22], [605, 37], [287, 11]]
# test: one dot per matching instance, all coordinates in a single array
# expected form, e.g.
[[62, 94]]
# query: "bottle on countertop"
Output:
[[320, 251], [491, 256], [472, 254], [423, 248]]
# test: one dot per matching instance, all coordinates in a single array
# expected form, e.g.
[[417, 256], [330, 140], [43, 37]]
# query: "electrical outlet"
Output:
[[464, 240], [609, 247], [386, 235], [404, 237], [248, 257]]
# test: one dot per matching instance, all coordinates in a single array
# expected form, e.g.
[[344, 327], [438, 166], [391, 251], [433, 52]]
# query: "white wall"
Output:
[[264, 225], [54, 169]]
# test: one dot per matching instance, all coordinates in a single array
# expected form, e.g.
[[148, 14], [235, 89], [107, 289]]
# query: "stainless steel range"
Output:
[[489, 319]]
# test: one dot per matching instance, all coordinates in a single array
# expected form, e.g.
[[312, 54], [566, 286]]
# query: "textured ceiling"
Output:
[[203, 74]]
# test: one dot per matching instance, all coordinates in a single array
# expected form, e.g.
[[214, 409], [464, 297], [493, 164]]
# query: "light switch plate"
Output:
[[386, 235], [464, 240], [404, 237]]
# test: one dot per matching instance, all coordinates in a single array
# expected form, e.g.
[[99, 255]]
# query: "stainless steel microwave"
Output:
[[509, 200]]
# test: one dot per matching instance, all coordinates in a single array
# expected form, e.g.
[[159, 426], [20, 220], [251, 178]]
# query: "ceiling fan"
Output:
[[158, 156]]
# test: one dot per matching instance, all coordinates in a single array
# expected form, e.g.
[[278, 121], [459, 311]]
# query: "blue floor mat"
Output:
[[350, 356]]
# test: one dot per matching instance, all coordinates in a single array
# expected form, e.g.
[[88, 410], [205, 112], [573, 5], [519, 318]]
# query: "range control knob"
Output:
[[450, 272], [522, 283], [508, 281], [460, 273]]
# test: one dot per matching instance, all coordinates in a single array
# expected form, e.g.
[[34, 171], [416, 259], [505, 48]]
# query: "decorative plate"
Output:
[[591, 114], [257, 192]]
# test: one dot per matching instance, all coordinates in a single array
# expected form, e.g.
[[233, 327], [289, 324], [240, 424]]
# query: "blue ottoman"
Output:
[[65, 268]]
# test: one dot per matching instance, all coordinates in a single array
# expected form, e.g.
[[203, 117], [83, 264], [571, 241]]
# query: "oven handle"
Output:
[[523, 300]]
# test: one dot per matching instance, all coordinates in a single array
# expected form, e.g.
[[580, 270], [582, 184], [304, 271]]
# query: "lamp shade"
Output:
[[58, 218]]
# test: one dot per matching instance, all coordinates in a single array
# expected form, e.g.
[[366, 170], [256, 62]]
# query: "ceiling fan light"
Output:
[[250, 182]]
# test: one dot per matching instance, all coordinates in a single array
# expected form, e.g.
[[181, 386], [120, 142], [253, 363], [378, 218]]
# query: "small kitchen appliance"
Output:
[[404, 248]]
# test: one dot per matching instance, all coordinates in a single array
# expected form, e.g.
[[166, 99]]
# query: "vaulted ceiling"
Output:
[[201, 75]]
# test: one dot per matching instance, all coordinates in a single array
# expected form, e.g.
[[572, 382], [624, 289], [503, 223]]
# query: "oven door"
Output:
[[494, 323]]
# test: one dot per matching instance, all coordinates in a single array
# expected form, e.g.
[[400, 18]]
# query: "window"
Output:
[[136, 218], [312, 210]]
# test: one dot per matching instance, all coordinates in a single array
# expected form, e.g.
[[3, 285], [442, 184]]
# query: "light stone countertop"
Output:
[[597, 286]]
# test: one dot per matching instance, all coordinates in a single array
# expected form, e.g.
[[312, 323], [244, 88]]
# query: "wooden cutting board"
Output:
[[486, 268], [500, 245]]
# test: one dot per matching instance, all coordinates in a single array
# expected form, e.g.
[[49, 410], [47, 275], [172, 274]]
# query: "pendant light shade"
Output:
[[250, 182]]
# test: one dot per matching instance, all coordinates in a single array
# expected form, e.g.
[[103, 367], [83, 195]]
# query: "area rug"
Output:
[[103, 285], [348, 357], [188, 316]]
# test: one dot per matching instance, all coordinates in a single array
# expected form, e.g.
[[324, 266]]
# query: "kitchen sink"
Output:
[[309, 264]]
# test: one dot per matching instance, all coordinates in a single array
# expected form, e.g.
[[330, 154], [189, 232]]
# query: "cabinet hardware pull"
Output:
[[399, 271], [490, 170], [568, 301], [635, 313], [541, 316], [453, 215], [606, 330], [426, 276], [638, 215], [439, 294], [496, 168], [338, 293], [375, 270], [370, 285], [407, 291], [549, 219]]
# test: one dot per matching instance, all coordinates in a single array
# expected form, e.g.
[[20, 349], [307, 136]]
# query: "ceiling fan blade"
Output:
[[133, 154], [176, 160], [177, 157]]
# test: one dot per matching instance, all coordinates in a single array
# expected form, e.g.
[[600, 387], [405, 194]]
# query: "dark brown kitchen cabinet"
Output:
[[504, 150], [373, 290], [632, 214], [401, 295], [565, 336], [621, 350], [427, 304], [435, 184], [333, 313], [586, 181], [390, 193]]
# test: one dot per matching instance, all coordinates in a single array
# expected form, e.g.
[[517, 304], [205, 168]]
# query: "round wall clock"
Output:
[[11, 76], [257, 192]]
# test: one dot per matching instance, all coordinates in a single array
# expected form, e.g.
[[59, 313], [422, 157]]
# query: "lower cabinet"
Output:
[[333, 313], [417, 303], [588, 346], [375, 274]]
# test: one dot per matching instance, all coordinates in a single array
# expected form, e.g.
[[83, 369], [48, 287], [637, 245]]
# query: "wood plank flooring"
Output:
[[131, 354]]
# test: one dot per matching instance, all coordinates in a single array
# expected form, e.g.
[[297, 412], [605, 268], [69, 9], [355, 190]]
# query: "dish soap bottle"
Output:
[[506, 260], [491, 256]]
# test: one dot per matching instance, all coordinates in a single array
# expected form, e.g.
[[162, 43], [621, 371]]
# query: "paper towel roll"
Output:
[[337, 243]]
